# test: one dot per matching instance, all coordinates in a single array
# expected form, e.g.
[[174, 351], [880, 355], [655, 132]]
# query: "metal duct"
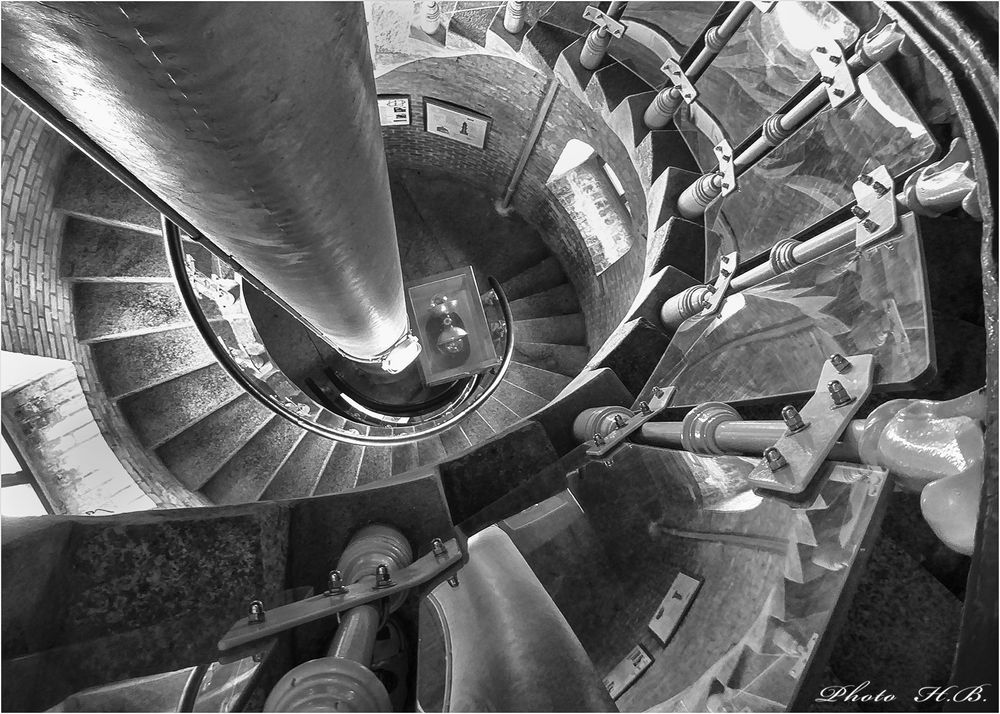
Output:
[[256, 121]]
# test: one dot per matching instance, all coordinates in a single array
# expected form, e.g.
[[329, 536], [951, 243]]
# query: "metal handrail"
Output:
[[175, 253]]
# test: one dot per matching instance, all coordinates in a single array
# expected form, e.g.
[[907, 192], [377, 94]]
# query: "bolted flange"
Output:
[[335, 583], [774, 459], [839, 394], [256, 612]]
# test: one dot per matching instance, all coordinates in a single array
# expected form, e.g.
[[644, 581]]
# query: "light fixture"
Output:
[[401, 355]]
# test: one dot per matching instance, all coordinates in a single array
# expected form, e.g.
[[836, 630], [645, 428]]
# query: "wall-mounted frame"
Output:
[[394, 109], [457, 123]]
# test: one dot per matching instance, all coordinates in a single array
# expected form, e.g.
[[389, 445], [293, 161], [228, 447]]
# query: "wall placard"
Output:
[[394, 109], [455, 122]]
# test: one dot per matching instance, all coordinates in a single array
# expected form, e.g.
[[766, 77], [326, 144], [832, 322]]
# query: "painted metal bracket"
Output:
[[877, 213], [602, 19], [606, 444], [834, 72], [764, 6], [718, 291], [680, 80], [727, 166], [317, 607], [790, 465]]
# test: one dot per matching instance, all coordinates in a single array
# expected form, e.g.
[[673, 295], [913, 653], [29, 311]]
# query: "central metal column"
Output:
[[257, 122]]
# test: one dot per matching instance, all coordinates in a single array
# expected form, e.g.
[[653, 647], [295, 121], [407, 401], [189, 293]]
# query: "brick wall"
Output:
[[511, 94], [37, 316]]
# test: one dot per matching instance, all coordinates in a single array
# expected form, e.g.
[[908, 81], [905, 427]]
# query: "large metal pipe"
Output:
[[257, 122]]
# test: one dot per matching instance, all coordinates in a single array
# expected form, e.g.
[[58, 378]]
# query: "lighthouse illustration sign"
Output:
[[456, 123], [394, 109]]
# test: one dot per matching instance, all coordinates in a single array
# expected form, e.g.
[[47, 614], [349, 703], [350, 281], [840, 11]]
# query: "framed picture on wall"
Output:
[[394, 109], [457, 123]]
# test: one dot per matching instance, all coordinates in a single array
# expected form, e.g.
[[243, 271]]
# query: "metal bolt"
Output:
[[335, 583], [620, 422], [870, 225], [834, 58], [657, 392], [726, 157], [256, 612], [793, 420], [821, 50], [440, 550], [840, 363], [879, 188], [644, 408], [866, 179], [774, 459], [382, 577], [598, 440], [453, 581], [859, 212], [838, 92], [839, 394], [826, 80]]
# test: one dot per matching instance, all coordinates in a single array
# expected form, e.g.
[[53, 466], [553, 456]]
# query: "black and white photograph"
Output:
[[499, 356]]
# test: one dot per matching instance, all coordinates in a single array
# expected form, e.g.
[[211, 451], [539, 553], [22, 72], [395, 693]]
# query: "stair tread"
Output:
[[568, 360], [659, 150], [476, 428], [560, 300], [431, 451], [498, 416], [454, 440], [131, 364], [543, 44], [245, 476], [195, 454], [545, 274], [569, 16], [296, 478], [541, 382], [104, 310], [404, 458], [92, 251], [471, 20], [610, 86], [559, 329], [518, 400], [164, 410], [87, 190], [341, 470], [375, 465]]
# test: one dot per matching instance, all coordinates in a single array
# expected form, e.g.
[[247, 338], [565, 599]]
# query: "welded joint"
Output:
[[605, 22], [876, 209], [834, 72], [679, 79]]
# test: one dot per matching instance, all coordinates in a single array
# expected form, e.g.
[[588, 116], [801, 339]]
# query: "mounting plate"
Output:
[[602, 19], [676, 75], [806, 450], [718, 291], [834, 72], [613, 440], [879, 215], [727, 166]]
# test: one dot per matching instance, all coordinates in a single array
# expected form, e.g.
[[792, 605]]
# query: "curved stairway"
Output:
[[215, 438]]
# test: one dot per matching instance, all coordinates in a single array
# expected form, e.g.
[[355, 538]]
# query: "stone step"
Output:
[[132, 364], [562, 359], [658, 151], [88, 191], [543, 44], [476, 428], [547, 273], [498, 416], [376, 465], [626, 120], [404, 458], [569, 16], [611, 85], [573, 75], [163, 411], [431, 451], [92, 251], [243, 478], [560, 300], [518, 400], [502, 42], [540, 382], [106, 311], [560, 330], [297, 476], [195, 454], [341, 472], [454, 440], [471, 20]]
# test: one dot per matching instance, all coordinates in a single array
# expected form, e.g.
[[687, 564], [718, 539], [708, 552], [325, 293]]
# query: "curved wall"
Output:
[[511, 94]]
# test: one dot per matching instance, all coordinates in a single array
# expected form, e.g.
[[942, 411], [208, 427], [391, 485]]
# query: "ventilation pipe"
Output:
[[258, 123]]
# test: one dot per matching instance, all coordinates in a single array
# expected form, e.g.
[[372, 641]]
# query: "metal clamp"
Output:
[[718, 291], [317, 607], [604, 20], [727, 166], [660, 401], [834, 72], [680, 80], [876, 211], [790, 465]]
